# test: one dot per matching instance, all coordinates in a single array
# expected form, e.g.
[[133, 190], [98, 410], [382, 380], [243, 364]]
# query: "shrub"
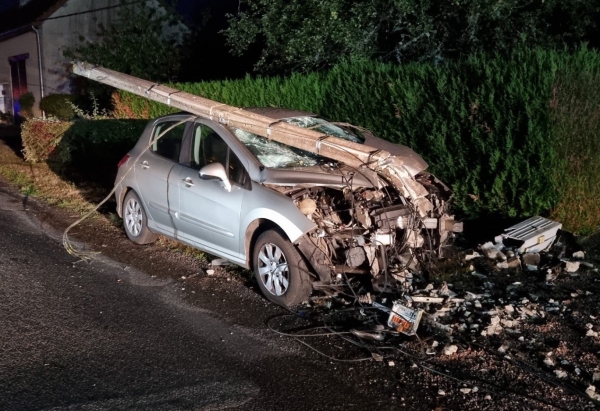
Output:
[[482, 124], [127, 106], [488, 126], [59, 106], [27, 100], [41, 137], [82, 143], [94, 147], [575, 108]]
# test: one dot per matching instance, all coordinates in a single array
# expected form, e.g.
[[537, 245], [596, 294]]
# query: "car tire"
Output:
[[135, 220], [280, 270]]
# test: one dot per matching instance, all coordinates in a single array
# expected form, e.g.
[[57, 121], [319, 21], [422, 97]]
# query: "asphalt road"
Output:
[[97, 337]]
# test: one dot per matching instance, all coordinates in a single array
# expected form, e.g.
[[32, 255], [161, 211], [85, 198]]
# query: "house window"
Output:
[[18, 75]]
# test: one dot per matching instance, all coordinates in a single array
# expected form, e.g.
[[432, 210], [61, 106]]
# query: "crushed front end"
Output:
[[373, 230]]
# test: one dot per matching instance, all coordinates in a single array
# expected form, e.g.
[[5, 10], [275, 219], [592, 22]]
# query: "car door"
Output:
[[152, 173], [206, 212]]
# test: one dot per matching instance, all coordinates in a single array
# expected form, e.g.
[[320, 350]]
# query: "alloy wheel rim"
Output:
[[133, 217], [273, 269]]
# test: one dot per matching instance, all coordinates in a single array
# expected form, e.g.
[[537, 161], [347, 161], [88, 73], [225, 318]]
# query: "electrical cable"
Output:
[[335, 333], [303, 335], [88, 256], [90, 11], [333, 358]]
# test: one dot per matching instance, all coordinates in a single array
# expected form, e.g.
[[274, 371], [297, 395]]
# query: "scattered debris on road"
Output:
[[506, 298]]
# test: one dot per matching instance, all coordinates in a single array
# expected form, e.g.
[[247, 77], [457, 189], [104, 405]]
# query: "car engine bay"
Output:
[[373, 231]]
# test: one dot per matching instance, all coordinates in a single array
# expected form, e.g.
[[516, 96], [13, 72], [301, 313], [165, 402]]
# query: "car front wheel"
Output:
[[135, 220], [280, 271]]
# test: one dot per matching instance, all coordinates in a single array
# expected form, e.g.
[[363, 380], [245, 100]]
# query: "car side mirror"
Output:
[[216, 171]]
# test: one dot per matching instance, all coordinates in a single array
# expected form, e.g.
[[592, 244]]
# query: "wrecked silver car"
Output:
[[300, 221]]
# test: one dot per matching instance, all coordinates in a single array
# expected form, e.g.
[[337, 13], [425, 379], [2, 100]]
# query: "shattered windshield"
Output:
[[323, 126], [274, 154]]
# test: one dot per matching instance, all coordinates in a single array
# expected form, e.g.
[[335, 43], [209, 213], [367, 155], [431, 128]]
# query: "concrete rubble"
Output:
[[571, 266], [531, 246], [591, 392], [505, 287], [484, 313]]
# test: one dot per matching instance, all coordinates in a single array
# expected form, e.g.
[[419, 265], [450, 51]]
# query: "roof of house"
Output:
[[14, 21]]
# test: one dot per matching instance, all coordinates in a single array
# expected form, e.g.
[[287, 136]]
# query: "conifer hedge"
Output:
[[515, 136]]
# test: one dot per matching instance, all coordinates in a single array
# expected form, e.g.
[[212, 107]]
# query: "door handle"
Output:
[[145, 164], [188, 182]]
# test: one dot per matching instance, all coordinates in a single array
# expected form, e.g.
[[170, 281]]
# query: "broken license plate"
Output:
[[404, 319]]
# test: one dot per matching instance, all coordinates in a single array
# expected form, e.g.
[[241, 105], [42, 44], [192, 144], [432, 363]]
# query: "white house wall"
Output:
[[60, 34], [25, 43]]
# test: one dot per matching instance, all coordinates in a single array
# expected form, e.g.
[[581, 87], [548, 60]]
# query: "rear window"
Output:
[[169, 145]]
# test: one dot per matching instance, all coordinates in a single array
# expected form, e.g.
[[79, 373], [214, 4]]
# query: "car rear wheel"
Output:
[[280, 271], [135, 221]]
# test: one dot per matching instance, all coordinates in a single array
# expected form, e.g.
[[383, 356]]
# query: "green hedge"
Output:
[[89, 149], [59, 106], [41, 137], [93, 148], [90, 140], [512, 136]]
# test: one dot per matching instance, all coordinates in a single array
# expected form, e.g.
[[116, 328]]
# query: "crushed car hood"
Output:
[[413, 162], [341, 176]]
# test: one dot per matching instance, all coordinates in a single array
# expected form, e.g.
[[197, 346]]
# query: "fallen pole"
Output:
[[353, 154]]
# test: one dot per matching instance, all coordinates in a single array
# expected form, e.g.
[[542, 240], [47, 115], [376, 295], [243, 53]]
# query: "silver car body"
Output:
[[202, 213]]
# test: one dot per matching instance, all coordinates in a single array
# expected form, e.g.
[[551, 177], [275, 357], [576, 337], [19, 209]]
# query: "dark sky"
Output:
[[190, 8], [209, 57], [187, 7], [6, 4]]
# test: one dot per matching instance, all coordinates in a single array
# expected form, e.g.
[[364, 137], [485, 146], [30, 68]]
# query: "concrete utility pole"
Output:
[[353, 154]]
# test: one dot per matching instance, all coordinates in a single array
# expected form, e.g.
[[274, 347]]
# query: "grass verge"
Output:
[[40, 181]]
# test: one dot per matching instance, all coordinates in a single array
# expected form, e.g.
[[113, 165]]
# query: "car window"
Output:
[[237, 172], [274, 154], [169, 145], [271, 153], [208, 147]]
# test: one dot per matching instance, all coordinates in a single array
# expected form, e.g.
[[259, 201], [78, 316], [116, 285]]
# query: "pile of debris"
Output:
[[531, 246], [506, 285], [490, 308]]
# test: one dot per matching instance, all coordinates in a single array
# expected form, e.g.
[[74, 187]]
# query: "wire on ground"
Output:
[[88, 256]]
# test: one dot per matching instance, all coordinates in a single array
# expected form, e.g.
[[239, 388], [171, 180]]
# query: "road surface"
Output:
[[100, 337]]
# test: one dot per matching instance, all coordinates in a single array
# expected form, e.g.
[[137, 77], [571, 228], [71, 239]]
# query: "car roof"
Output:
[[413, 162], [279, 113]]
